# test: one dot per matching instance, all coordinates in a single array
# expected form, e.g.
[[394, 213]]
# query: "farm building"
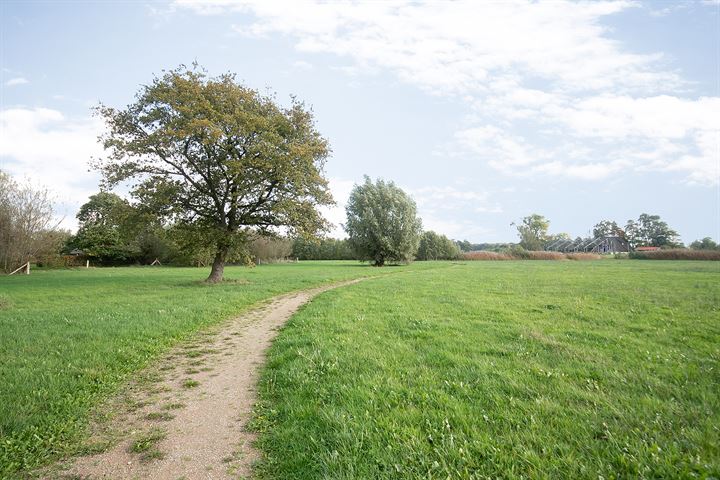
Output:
[[612, 244], [608, 244]]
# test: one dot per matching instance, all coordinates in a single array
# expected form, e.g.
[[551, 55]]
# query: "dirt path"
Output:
[[187, 419]]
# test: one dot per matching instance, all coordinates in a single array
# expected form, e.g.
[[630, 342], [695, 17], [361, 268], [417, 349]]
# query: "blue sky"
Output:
[[483, 111]]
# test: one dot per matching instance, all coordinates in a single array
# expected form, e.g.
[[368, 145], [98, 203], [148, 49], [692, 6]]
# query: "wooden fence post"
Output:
[[24, 267]]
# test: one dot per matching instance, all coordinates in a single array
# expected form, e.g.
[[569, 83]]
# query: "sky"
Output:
[[484, 112]]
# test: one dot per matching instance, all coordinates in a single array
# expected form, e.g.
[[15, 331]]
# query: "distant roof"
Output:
[[77, 251]]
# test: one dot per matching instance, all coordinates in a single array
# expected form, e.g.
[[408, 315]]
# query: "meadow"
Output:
[[606, 369], [434, 370], [69, 338]]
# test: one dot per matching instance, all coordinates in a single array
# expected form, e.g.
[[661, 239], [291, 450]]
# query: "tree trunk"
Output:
[[379, 261], [218, 266]]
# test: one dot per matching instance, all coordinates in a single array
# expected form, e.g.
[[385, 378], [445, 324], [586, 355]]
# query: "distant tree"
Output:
[[269, 249], [218, 158], [104, 209], [556, 237], [103, 232], [322, 249], [436, 247], [464, 245], [607, 228], [27, 227], [650, 231], [706, 243], [382, 223], [533, 232]]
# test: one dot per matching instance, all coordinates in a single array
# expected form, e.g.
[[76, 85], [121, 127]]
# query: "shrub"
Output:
[[269, 249], [436, 247], [677, 254], [322, 249]]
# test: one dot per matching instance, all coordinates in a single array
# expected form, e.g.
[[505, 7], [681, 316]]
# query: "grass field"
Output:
[[487, 369], [69, 338], [604, 369]]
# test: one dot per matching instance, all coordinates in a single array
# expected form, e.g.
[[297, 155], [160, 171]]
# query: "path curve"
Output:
[[203, 426]]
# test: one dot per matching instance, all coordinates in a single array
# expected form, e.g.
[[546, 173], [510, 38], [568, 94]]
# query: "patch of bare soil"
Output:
[[186, 418]]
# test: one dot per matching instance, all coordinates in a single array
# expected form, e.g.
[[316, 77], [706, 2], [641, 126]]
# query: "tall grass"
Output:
[[528, 255], [484, 255], [517, 254], [583, 256], [677, 254]]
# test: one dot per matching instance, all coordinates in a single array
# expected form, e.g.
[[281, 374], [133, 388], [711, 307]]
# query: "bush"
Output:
[[436, 247], [322, 249], [57, 261], [677, 254], [270, 249]]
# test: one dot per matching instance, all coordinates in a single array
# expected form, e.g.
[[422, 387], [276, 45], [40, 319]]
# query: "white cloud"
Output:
[[456, 229], [593, 106], [448, 198], [500, 150], [604, 134], [52, 151], [663, 116], [457, 46], [302, 65], [16, 81]]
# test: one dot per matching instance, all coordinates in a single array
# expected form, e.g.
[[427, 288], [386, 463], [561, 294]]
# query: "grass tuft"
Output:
[[147, 441], [162, 416]]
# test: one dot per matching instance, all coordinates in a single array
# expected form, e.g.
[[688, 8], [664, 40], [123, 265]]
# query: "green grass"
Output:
[[501, 370], [189, 383], [69, 338], [146, 445], [147, 441]]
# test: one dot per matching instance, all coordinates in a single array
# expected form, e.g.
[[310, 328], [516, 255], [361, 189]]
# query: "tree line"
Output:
[[647, 231], [382, 227]]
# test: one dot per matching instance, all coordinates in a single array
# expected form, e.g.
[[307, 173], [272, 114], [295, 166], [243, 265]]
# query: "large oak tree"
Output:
[[218, 158]]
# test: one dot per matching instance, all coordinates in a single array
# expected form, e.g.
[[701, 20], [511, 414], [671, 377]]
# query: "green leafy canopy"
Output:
[[216, 156], [382, 223]]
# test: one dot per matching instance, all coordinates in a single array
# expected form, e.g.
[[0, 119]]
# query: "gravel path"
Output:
[[189, 420]]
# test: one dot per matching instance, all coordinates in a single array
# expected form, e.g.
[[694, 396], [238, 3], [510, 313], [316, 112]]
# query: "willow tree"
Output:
[[218, 158], [382, 223]]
